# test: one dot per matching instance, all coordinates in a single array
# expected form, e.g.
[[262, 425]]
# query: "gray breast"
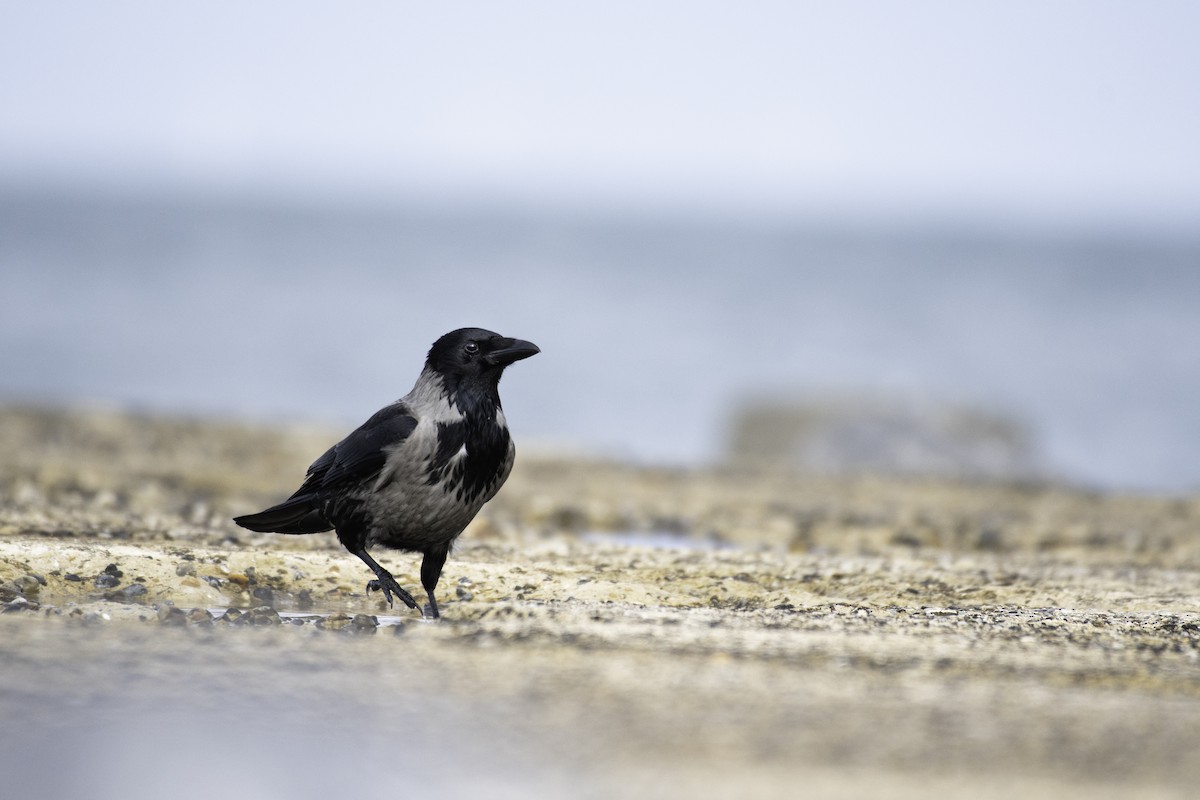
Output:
[[408, 510]]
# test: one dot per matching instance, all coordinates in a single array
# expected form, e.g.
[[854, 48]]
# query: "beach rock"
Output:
[[334, 622], [232, 616], [106, 580], [200, 617], [130, 593], [359, 623], [881, 435], [262, 615], [87, 617], [171, 615], [18, 604]]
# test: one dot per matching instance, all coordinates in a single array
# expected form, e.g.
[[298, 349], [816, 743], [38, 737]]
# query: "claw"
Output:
[[384, 582], [387, 584]]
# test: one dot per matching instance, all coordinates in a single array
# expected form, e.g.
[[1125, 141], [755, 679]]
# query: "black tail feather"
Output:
[[295, 516]]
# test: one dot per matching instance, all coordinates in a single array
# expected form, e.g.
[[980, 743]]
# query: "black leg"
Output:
[[431, 571], [384, 581]]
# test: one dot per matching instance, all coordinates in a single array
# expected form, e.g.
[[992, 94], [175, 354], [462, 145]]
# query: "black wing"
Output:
[[360, 456], [354, 461]]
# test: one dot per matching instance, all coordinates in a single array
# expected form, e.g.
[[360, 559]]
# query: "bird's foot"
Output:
[[387, 584]]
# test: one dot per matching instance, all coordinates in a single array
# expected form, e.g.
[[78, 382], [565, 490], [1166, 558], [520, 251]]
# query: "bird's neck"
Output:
[[475, 401]]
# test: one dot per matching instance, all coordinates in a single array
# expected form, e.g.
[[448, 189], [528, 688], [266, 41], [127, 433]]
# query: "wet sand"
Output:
[[608, 630]]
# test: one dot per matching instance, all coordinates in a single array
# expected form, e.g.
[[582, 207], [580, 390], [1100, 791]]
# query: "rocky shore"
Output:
[[608, 630]]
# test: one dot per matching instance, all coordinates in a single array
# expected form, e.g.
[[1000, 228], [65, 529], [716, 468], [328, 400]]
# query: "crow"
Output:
[[414, 474]]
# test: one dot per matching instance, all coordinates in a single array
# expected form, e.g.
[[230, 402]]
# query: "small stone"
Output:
[[305, 599], [232, 616], [106, 580], [240, 579], [200, 617], [71, 576], [185, 569], [171, 615], [264, 595], [364, 623], [463, 594], [88, 617], [18, 604], [9, 591], [114, 570], [334, 622], [262, 615]]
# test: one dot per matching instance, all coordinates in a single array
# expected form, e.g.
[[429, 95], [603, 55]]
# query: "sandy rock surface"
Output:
[[607, 631]]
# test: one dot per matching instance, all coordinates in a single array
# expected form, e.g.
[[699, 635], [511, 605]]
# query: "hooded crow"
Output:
[[414, 474]]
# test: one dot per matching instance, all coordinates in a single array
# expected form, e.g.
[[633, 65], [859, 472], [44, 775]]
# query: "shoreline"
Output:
[[860, 635]]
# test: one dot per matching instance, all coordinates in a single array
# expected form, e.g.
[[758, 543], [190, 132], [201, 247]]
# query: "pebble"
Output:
[[106, 581], [262, 615], [232, 616], [18, 604], [359, 623], [88, 617], [200, 617], [334, 622], [171, 615]]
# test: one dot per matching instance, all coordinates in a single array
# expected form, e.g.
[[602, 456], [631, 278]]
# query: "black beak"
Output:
[[509, 350]]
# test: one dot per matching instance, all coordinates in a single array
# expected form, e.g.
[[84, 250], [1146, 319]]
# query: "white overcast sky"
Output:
[[1051, 109]]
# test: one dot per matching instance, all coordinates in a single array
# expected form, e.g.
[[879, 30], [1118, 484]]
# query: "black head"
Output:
[[473, 354]]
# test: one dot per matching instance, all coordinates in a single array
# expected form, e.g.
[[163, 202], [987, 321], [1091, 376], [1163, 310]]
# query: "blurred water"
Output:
[[141, 712], [652, 330]]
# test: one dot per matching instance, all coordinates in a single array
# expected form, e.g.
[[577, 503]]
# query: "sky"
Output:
[[1061, 112]]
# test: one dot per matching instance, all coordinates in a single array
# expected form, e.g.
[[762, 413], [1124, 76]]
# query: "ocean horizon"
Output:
[[655, 330]]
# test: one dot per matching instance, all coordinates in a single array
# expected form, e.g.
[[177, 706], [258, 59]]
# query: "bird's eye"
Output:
[[471, 348]]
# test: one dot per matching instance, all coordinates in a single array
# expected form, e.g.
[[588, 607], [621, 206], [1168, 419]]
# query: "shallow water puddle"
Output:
[[312, 618], [655, 540]]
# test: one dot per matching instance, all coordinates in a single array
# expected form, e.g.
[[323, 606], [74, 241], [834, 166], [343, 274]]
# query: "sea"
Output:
[[657, 329]]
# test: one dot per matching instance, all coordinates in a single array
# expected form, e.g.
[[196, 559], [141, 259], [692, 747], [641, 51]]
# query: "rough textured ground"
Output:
[[607, 631]]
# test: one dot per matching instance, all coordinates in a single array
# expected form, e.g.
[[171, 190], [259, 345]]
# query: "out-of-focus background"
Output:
[[927, 236]]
